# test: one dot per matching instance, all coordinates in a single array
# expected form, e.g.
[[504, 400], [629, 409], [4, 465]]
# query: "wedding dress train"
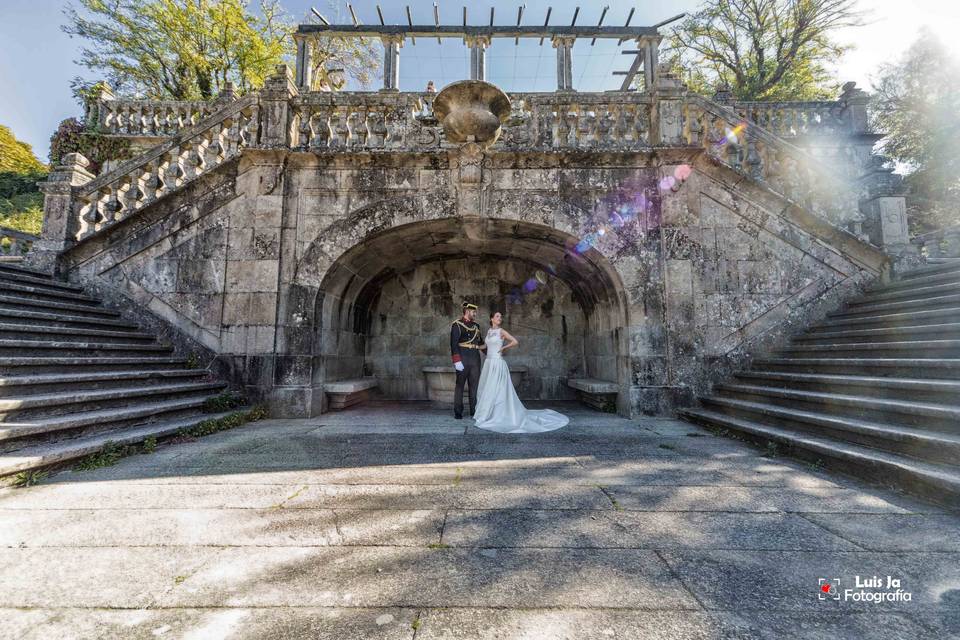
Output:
[[498, 407]]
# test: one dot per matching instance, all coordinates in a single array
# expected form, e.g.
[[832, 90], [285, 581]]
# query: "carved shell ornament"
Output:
[[472, 111]]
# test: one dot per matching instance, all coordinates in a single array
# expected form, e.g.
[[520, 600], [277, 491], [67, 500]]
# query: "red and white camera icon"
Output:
[[829, 589]]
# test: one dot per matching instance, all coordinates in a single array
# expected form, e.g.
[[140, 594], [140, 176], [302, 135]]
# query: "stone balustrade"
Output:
[[13, 243], [818, 184], [822, 178], [114, 196], [942, 243], [404, 121], [795, 119], [151, 118]]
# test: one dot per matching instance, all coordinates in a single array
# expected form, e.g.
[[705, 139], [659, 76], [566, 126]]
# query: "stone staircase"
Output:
[[75, 375], [873, 391]]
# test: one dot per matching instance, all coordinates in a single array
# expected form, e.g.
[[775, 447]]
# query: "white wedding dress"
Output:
[[498, 407]]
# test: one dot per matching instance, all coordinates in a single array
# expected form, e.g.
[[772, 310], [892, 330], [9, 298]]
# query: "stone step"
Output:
[[48, 332], [916, 348], [941, 368], [909, 293], [47, 454], [17, 409], [15, 268], [938, 483], [18, 302], [923, 415], [920, 281], [921, 389], [11, 348], [52, 318], [73, 380], [17, 436], [923, 304], [20, 365], [41, 282], [909, 318], [32, 292], [930, 269], [892, 334], [943, 448]]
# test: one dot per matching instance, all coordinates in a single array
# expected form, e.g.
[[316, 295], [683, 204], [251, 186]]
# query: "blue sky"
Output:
[[37, 64]]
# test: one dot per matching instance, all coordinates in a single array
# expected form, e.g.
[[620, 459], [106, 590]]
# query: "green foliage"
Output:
[[762, 49], [193, 361], [916, 103], [72, 136], [28, 478], [17, 157], [223, 402], [230, 421], [21, 203], [149, 444], [107, 456], [190, 49]]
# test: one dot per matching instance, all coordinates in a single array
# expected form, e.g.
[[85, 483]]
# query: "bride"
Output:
[[498, 407]]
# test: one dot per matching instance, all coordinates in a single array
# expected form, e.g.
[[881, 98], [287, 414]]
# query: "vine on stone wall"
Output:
[[73, 136]]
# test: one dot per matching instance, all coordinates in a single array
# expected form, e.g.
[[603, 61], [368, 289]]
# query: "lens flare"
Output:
[[682, 172], [540, 276], [530, 285], [666, 184]]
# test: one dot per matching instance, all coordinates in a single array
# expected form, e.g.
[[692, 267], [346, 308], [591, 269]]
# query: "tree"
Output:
[[181, 49], [762, 49], [21, 203], [916, 103]]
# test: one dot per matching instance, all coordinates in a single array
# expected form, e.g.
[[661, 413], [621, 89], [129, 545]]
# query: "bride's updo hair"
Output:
[[493, 313]]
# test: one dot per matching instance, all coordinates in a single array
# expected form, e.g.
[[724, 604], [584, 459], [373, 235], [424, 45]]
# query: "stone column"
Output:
[[96, 104], [885, 209], [478, 56], [277, 124], [304, 70], [564, 47], [60, 211], [666, 122], [391, 62], [651, 61]]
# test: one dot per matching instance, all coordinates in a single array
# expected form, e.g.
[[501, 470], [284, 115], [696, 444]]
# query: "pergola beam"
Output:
[[460, 31]]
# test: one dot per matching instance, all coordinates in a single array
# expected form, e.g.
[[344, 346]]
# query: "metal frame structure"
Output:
[[478, 39]]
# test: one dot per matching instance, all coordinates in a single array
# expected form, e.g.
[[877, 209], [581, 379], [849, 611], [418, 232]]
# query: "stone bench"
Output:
[[346, 393], [599, 394], [441, 381]]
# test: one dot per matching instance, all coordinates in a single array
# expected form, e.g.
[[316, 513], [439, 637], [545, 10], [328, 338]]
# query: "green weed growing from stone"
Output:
[[772, 450], [438, 545], [149, 444], [223, 402], [415, 625], [28, 478], [109, 455], [193, 361]]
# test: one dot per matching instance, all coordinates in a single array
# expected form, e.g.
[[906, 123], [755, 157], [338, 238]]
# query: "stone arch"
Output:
[[323, 314]]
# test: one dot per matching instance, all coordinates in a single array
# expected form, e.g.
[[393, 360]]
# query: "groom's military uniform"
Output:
[[465, 345]]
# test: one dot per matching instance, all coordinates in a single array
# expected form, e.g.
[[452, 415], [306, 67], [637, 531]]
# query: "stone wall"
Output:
[[411, 315], [282, 263]]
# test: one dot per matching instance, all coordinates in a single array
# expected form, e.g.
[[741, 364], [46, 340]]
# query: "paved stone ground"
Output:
[[396, 521]]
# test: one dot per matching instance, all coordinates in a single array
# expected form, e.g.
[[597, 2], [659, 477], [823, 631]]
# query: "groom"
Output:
[[465, 345]]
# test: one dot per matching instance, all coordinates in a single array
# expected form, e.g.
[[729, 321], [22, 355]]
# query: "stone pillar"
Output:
[[855, 102], [651, 61], [60, 222], [96, 113], [666, 122], [564, 47], [277, 124], [478, 56], [391, 62], [885, 208], [304, 78]]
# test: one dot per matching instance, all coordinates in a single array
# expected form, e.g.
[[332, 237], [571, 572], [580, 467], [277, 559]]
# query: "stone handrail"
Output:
[[795, 119], [151, 118], [819, 185], [15, 243], [942, 243], [134, 184], [331, 122]]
